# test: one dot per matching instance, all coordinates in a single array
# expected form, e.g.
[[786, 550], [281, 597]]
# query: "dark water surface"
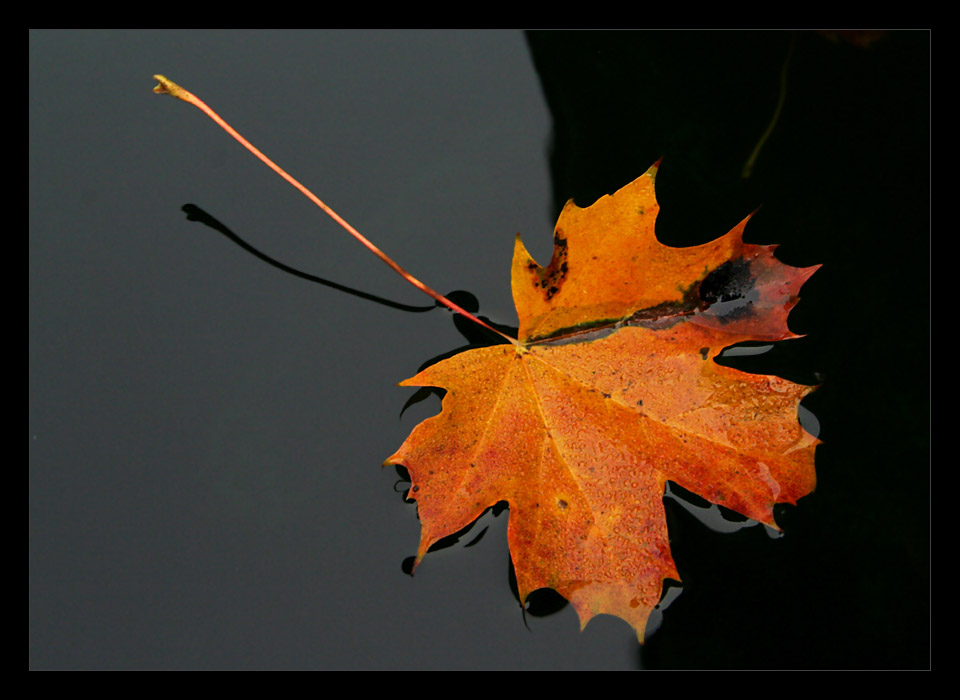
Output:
[[206, 431]]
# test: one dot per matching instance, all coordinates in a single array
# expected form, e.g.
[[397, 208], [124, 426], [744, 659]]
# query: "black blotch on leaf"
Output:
[[731, 280], [552, 277], [728, 292]]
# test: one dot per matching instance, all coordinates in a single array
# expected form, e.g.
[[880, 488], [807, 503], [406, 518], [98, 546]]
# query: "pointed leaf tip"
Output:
[[652, 170]]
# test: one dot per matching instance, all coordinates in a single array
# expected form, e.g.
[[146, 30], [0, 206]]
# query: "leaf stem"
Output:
[[168, 87], [748, 166]]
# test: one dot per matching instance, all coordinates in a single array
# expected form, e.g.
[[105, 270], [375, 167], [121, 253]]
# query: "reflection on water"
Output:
[[717, 519], [809, 421]]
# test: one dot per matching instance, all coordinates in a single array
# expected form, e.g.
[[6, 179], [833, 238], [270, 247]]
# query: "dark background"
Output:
[[206, 431]]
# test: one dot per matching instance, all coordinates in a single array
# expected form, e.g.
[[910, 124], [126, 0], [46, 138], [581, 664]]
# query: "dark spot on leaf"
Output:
[[729, 291], [552, 277], [731, 280]]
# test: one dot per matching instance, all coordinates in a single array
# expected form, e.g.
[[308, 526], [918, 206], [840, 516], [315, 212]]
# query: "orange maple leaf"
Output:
[[611, 392]]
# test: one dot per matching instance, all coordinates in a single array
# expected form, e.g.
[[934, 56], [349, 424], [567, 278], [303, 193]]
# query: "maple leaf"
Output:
[[612, 391], [609, 391]]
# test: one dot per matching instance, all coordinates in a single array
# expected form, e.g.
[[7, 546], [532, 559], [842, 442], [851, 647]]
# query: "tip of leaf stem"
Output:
[[168, 87]]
